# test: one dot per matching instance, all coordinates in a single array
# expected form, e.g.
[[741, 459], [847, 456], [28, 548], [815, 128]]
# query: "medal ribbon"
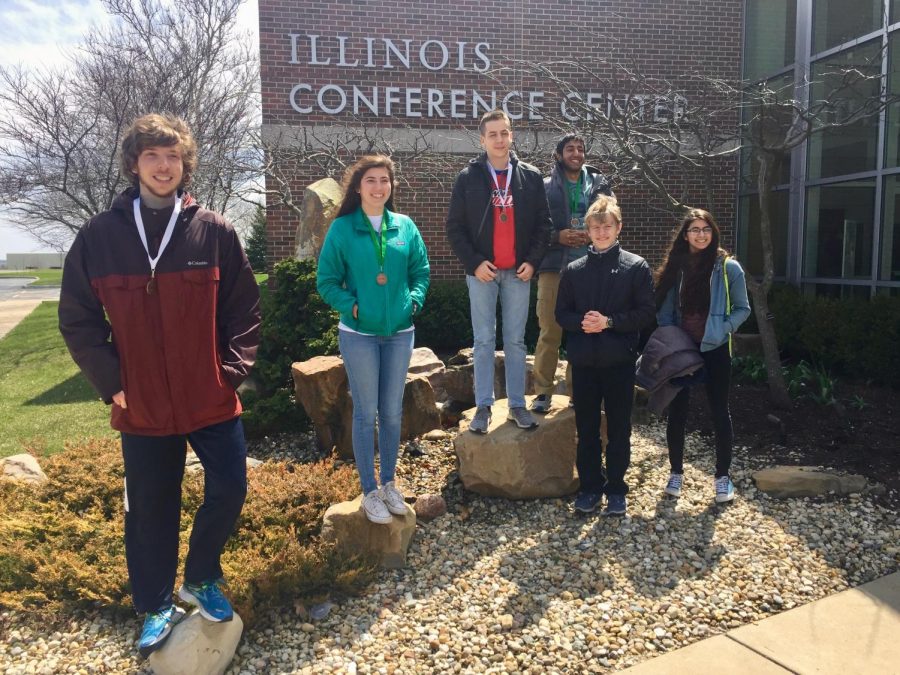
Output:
[[167, 235], [575, 196], [505, 192], [379, 241]]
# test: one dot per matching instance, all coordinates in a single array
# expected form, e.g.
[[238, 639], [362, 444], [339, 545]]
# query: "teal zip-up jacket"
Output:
[[722, 321], [348, 266]]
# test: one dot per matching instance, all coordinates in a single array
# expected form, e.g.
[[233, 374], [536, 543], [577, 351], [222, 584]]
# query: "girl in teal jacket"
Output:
[[374, 270], [700, 288]]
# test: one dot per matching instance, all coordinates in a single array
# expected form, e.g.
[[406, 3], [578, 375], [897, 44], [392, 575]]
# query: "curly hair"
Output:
[[158, 130], [353, 179]]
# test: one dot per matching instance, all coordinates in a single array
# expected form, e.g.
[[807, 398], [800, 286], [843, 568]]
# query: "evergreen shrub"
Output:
[[62, 546]]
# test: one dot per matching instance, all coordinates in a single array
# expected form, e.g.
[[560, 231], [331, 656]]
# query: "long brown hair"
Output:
[[678, 258], [353, 179]]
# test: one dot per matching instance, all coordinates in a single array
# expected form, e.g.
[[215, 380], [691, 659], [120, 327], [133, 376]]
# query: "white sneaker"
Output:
[[393, 499], [375, 509]]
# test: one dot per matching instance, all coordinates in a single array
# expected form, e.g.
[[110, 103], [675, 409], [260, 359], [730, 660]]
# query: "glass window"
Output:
[[892, 130], [838, 235], [839, 89], [837, 291], [895, 11], [889, 259], [770, 28], [888, 291], [838, 21], [777, 89], [749, 244]]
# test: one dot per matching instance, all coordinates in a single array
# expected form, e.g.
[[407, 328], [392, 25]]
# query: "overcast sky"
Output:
[[36, 33]]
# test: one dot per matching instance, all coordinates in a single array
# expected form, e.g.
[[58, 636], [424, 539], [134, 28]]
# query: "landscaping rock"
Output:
[[516, 463], [457, 381], [435, 434], [426, 363], [321, 387], [22, 468], [320, 199], [198, 647], [806, 481], [429, 507], [420, 412], [347, 526]]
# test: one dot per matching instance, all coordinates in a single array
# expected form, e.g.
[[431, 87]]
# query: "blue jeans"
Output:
[[154, 467], [376, 368], [514, 296]]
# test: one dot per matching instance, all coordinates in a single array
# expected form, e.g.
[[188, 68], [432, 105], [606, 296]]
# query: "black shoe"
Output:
[[587, 502]]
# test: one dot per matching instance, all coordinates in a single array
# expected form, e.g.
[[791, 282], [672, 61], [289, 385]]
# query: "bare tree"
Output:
[[653, 131], [61, 129]]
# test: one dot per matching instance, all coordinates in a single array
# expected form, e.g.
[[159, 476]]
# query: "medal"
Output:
[[502, 216], [167, 236], [575, 222], [502, 195], [379, 242], [381, 279], [576, 194]]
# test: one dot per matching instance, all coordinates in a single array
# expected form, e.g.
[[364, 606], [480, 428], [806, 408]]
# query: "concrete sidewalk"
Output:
[[855, 631], [13, 311]]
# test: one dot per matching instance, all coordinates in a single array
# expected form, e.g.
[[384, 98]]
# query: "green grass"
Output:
[[44, 277], [44, 399]]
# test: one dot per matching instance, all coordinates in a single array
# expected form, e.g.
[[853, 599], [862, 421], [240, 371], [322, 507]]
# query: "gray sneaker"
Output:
[[481, 421], [540, 404], [522, 418]]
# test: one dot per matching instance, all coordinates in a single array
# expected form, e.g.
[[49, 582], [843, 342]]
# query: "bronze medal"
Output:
[[381, 279]]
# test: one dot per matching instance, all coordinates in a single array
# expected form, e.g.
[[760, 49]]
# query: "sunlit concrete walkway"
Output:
[[856, 631], [18, 300]]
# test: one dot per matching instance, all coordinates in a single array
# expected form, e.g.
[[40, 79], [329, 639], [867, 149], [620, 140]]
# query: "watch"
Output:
[[609, 322]]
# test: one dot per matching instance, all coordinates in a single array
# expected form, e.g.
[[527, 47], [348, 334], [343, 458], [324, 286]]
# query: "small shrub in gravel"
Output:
[[62, 547]]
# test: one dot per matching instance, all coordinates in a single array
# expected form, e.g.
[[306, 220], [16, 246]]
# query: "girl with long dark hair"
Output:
[[374, 270], [702, 289]]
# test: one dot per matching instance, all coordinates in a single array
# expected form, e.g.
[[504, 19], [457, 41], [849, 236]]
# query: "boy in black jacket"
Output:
[[605, 299]]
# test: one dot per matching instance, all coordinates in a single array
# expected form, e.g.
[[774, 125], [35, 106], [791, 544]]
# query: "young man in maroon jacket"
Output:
[[160, 310]]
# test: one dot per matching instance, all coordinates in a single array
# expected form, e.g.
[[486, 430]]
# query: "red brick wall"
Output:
[[657, 37]]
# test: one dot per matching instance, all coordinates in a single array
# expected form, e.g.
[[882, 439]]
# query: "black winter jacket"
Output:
[[616, 283], [558, 200], [470, 223]]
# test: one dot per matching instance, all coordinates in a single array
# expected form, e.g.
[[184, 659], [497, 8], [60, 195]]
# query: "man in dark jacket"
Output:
[[499, 226], [605, 299], [571, 188], [160, 310]]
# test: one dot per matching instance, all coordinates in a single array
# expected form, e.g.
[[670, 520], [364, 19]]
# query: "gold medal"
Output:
[[381, 279]]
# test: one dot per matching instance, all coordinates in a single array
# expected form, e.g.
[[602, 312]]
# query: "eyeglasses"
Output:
[[699, 230]]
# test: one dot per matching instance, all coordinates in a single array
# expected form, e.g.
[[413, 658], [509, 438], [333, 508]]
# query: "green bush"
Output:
[[854, 337], [276, 413], [296, 324], [62, 547], [445, 324]]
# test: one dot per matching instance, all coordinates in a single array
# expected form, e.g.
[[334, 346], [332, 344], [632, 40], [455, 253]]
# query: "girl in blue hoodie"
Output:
[[702, 289], [374, 270]]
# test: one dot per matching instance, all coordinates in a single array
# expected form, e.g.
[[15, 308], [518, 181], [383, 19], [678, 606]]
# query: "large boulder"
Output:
[[426, 363], [516, 463], [321, 387], [320, 202], [346, 525], [805, 481], [23, 468], [458, 380], [198, 647]]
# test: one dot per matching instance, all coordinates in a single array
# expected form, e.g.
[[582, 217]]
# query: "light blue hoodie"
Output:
[[721, 321]]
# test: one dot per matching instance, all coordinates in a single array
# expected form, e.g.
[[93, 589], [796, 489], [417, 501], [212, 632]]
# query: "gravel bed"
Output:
[[499, 586]]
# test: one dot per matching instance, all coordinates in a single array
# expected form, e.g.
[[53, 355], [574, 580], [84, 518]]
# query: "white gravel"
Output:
[[498, 586]]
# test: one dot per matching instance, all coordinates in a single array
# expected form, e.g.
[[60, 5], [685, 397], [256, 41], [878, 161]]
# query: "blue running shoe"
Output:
[[724, 489], [157, 626], [208, 599], [586, 502], [615, 505]]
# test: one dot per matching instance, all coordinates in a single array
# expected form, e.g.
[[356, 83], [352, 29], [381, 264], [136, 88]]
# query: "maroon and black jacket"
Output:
[[178, 353]]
